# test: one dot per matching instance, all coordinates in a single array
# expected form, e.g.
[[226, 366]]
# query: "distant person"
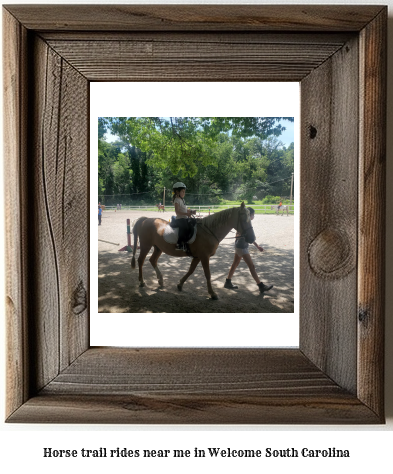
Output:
[[241, 252], [99, 214]]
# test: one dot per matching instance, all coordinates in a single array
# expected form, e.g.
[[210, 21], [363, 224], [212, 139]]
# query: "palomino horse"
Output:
[[210, 231], [281, 209], [160, 206]]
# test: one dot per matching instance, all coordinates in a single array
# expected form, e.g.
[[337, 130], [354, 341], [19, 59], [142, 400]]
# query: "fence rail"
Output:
[[265, 208]]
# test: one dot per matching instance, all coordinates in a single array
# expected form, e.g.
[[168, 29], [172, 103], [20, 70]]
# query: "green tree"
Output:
[[217, 158], [184, 144]]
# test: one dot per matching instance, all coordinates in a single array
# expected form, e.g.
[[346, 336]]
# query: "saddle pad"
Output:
[[171, 235]]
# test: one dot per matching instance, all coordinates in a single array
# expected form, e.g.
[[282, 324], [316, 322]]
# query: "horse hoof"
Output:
[[214, 297], [141, 284], [179, 287]]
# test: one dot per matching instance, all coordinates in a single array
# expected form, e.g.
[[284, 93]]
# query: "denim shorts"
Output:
[[241, 252]]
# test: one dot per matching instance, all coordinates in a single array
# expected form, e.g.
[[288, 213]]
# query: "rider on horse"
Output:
[[182, 216]]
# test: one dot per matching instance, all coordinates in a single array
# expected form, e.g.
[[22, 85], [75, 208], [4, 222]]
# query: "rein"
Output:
[[211, 232], [230, 237]]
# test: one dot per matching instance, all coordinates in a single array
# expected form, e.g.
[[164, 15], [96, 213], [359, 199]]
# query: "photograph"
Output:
[[194, 209]]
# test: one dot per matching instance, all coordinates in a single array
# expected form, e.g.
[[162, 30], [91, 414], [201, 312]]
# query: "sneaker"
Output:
[[263, 287], [229, 286]]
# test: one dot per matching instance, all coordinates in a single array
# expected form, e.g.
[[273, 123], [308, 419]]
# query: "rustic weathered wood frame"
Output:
[[338, 54]]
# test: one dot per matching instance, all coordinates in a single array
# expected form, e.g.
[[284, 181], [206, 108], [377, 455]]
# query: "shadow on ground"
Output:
[[119, 291]]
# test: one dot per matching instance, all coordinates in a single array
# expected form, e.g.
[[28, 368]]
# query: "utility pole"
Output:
[[163, 201], [290, 201]]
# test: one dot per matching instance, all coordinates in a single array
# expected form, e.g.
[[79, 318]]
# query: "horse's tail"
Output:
[[135, 231]]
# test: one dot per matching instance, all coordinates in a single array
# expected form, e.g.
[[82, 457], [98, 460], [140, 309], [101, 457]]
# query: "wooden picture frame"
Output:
[[338, 54]]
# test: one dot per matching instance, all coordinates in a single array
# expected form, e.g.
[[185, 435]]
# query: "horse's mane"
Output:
[[218, 219]]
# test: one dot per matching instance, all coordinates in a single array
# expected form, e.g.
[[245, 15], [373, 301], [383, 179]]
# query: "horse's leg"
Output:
[[206, 269], [194, 263], [144, 250], [154, 261]]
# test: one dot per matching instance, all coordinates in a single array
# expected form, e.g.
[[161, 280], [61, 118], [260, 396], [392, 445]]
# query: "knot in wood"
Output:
[[313, 132], [330, 254], [80, 299], [363, 315]]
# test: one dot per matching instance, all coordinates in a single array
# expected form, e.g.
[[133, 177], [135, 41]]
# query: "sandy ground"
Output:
[[118, 285]]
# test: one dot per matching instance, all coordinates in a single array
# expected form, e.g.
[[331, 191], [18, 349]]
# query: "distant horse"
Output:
[[160, 206], [279, 209], [210, 231]]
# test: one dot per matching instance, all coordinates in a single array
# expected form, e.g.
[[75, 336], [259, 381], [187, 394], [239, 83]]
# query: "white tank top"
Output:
[[182, 207]]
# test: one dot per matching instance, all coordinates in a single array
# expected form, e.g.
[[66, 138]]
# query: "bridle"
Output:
[[243, 233]]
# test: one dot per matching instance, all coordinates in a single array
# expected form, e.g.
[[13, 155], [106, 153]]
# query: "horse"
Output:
[[280, 209], [160, 206], [210, 231]]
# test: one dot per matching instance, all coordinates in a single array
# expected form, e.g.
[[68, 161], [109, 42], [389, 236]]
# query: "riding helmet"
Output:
[[179, 185]]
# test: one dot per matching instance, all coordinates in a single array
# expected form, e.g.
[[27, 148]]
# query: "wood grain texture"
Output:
[[239, 409], [195, 17], [201, 37], [183, 60], [193, 386], [335, 377], [328, 249], [372, 225], [58, 227], [14, 149]]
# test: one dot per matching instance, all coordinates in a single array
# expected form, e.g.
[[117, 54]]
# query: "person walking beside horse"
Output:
[[241, 252]]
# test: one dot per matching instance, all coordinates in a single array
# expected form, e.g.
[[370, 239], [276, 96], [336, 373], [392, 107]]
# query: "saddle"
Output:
[[188, 234]]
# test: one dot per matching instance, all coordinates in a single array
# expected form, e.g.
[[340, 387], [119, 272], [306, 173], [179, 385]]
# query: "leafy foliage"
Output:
[[218, 157]]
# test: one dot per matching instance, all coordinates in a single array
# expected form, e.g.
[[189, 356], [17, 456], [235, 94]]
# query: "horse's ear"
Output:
[[242, 205]]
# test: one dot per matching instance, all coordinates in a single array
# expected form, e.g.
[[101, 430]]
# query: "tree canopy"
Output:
[[217, 156]]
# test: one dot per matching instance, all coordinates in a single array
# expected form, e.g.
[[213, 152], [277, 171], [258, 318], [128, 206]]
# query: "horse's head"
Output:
[[244, 225]]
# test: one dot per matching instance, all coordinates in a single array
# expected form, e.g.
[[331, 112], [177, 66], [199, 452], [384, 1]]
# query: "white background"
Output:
[[190, 100], [21, 446]]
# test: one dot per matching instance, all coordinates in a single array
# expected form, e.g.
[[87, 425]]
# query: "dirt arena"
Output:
[[118, 285]]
